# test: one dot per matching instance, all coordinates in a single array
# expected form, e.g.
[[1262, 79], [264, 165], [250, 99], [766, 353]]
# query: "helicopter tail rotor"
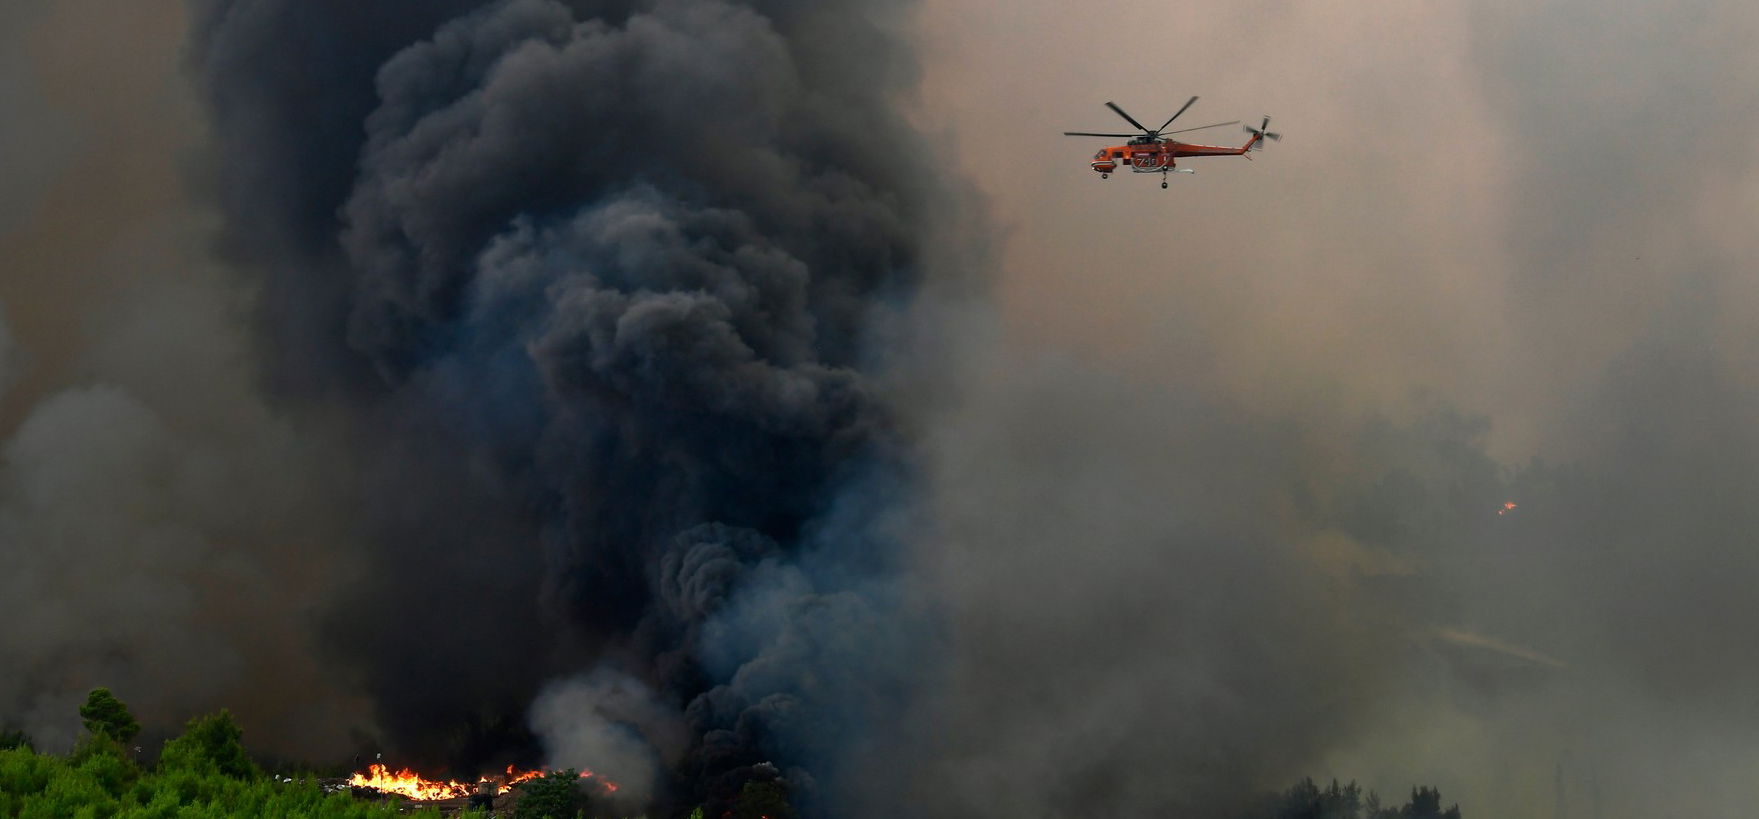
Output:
[[1263, 133]]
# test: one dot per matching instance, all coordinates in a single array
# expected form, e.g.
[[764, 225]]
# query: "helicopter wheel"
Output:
[[1163, 184], [1105, 176]]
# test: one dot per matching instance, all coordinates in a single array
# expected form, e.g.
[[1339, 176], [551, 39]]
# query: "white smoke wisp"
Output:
[[611, 724]]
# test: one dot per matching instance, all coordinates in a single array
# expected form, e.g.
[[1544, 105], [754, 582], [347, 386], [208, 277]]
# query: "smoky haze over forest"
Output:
[[682, 460]]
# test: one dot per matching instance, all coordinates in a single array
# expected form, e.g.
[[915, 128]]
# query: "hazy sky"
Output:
[[1463, 201], [1494, 232]]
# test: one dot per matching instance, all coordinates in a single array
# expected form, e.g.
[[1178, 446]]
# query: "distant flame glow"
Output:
[[1507, 507]]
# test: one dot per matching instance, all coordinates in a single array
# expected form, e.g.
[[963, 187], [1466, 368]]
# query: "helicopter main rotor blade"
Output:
[[1127, 117], [1084, 133], [1163, 126], [1201, 127]]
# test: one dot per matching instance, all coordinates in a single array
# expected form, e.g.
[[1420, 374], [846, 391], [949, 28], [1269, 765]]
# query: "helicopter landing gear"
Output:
[[1163, 184], [1105, 176]]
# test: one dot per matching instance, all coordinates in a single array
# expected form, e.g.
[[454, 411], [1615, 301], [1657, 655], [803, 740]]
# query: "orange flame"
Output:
[[1506, 508], [516, 776], [414, 786], [408, 783]]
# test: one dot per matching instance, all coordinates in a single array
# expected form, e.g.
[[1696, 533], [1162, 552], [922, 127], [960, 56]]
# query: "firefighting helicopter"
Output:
[[1152, 152]]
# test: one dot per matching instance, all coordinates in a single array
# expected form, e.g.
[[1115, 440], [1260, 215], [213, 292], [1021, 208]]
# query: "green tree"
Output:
[[1426, 804], [12, 739], [1306, 800], [555, 795], [105, 715], [24, 772], [209, 744], [763, 800]]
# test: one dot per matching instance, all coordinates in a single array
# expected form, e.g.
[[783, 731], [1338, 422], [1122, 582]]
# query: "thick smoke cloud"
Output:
[[599, 288]]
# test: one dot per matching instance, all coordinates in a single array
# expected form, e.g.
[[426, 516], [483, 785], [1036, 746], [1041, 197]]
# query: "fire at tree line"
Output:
[[206, 772]]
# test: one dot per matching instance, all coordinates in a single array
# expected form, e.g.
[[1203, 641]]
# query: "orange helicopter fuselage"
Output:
[[1159, 156]]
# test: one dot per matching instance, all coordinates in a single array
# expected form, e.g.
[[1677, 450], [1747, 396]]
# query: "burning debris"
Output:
[[1507, 507], [409, 783]]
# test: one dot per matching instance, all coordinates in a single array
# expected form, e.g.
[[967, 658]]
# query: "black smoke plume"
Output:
[[596, 286]]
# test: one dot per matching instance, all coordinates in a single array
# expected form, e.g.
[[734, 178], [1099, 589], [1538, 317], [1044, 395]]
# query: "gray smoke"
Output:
[[163, 532], [9, 358], [35, 147], [1219, 507], [1137, 615]]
